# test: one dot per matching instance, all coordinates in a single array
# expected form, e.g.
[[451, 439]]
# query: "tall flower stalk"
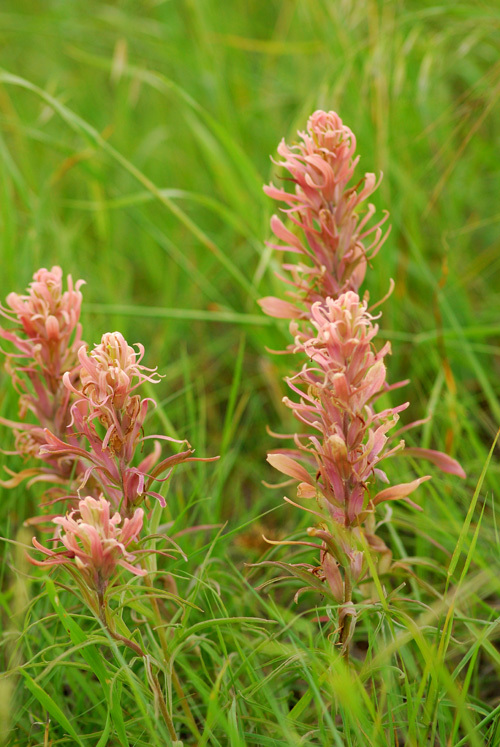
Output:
[[336, 461], [82, 422], [46, 335], [330, 227], [109, 416]]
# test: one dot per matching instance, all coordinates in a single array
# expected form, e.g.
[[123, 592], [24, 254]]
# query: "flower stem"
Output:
[[166, 655], [347, 621], [152, 678]]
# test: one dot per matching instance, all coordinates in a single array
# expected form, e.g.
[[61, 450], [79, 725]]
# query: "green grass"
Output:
[[134, 141]]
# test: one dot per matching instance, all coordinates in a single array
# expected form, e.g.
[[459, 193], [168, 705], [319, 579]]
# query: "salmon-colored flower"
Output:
[[112, 370], [347, 438], [106, 395], [337, 460], [328, 226], [46, 335], [47, 329], [95, 542], [109, 376]]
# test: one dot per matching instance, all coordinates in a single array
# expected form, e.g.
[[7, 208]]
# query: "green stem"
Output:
[[166, 655], [347, 621], [153, 679]]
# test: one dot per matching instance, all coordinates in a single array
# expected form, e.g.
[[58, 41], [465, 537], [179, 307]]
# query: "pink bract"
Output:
[[346, 438], [112, 370], [95, 541], [46, 334], [328, 224], [47, 318], [109, 377]]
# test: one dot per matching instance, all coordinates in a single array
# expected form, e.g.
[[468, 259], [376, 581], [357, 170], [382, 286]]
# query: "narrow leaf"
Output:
[[51, 707], [395, 492], [289, 467], [465, 528], [443, 461]]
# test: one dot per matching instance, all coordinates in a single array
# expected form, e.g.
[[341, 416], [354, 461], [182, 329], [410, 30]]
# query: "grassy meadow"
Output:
[[135, 138]]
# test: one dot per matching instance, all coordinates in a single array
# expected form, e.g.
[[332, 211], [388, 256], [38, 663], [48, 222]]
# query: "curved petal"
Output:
[[396, 492], [443, 461], [289, 467]]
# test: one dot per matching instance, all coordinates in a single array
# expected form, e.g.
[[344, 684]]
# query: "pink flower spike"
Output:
[[329, 221], [330, 233], [95, 541], [112, 370], [48, 320], [109, 376], [47, 337]]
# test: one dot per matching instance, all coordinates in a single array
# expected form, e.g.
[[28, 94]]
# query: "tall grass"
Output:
[[134, 140]]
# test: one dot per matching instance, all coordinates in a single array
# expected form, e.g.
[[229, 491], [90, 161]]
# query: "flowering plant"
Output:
[[46, 335], [106, 397], [87, 425], [329, 217], [337, 460], [89, 417], [96, 542]]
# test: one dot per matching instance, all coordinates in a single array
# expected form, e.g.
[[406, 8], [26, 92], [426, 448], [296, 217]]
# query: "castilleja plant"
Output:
[[109, 415], [94, 545], [46, 335], [89, 425], [89, 418], [336, 461], [332, 232]]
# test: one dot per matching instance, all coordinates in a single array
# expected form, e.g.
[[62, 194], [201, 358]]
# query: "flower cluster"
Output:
[[46, 335], [110, 417], [331, 226], [95, 541], [89, 421], [47, 331], [336, 461], [346, 438]]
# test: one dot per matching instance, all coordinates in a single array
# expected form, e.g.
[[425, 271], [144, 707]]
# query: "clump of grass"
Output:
[[345, 375]]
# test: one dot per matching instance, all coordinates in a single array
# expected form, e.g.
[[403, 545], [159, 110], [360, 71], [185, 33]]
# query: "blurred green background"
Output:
[[134, 141]]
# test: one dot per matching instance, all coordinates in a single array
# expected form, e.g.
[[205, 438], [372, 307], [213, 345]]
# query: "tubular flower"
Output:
[[329, 228], [47, 337], [110, 374], [347, 438], [47, 332], [94, 542]]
